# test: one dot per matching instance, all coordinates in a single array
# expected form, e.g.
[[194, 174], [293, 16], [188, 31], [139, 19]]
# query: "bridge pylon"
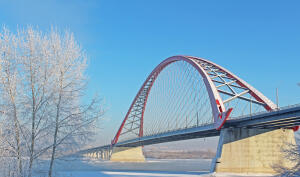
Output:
[[243, 150]]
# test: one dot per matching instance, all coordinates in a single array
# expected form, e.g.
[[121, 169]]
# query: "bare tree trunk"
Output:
[[17, 137], [32, 140], [54, 146], [33, 114], [56, 129], [16, 124]]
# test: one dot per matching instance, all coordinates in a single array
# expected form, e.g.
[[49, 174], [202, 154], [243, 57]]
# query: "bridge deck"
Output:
[[284, 118]]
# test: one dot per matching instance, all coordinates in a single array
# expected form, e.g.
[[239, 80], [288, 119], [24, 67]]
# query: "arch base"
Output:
[[242, 150]]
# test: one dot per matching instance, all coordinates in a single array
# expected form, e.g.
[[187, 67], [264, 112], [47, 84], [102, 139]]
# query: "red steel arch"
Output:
[[220, 113]]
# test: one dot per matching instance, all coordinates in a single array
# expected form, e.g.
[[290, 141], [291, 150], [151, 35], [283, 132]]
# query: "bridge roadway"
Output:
[[287, 117]]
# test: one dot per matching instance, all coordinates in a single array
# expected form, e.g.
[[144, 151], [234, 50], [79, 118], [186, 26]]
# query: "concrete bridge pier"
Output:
[[102, 154], [106, 155], [93, 155], [242, 150], [127, 154]]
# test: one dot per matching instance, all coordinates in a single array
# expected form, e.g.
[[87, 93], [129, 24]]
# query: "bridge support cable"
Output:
[[184, 92]]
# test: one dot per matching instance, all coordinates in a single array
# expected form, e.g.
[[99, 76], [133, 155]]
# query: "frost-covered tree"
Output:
[[292, 154], [10, 100], [38, 84], [72, 120], [42, 87]]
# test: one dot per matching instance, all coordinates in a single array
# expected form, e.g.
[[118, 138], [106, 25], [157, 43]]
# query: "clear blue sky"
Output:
[[257, 40]]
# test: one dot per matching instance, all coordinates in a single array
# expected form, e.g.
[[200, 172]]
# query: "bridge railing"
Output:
[[171, 130], [262, 112], [246, 116]]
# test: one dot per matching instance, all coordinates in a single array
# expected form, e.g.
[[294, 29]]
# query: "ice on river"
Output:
[[85, 167]]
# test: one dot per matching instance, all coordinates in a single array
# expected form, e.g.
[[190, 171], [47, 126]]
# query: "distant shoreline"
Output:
[[177, 154]]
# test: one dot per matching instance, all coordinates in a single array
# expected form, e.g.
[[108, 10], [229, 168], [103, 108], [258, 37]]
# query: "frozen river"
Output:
[[150, 168]]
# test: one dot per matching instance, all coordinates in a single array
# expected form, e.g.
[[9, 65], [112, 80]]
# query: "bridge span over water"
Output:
[[188, 97]]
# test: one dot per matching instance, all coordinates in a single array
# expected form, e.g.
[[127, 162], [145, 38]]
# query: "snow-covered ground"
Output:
[[85, 167], [148, 174], [127, 174]]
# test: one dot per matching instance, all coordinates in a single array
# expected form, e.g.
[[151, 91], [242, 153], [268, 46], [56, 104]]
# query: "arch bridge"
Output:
[[187, 97]]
